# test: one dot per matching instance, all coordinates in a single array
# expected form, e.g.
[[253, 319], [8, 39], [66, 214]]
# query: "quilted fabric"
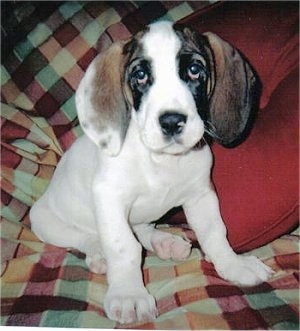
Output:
[[43, 285]]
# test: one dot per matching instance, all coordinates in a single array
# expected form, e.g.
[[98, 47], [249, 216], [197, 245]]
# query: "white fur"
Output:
[[95, 202], [167, 93]]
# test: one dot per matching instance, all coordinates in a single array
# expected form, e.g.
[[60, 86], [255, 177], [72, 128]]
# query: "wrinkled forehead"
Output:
[[160, 40]]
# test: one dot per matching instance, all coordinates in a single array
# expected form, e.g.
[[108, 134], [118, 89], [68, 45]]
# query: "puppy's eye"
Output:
[[194, 71], [141, 77]]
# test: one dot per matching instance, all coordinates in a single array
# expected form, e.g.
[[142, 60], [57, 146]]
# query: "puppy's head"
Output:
[[174, 83]]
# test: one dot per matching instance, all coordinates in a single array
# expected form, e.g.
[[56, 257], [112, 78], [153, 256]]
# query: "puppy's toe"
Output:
[[129, 305], [167, 246], [244, 270]]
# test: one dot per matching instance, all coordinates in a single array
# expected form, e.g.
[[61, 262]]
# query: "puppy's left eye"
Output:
[[194, 71], [141, 76]]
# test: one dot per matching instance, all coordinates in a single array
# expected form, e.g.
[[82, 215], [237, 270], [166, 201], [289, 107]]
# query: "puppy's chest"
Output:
[[157, 193]]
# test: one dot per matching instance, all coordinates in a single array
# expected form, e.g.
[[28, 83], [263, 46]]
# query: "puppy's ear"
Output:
[[102, 110], [235, 93]]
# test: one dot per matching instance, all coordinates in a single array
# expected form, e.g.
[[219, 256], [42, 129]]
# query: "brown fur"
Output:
[[107, 87], [233, 101]]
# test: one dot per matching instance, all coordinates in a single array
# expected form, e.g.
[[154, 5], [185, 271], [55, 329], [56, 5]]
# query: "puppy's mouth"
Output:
[[175, 146]]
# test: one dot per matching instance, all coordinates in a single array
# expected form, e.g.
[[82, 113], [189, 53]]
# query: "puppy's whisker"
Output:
[[211, 129]]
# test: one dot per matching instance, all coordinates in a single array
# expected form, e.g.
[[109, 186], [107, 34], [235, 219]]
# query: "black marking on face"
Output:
[[139, 79], [194, 74], [193, 68], [138, 74]]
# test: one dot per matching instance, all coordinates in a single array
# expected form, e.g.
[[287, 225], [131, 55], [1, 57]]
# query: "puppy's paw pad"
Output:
[[130, 307], [96, 263], [167, 246], [245, 270]]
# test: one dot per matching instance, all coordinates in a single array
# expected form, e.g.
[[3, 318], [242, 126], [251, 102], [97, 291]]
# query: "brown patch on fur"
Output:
[[233, 99], [107, 87], [111, 97]]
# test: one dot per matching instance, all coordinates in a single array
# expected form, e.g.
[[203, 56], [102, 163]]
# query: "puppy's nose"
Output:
[[172, 123]]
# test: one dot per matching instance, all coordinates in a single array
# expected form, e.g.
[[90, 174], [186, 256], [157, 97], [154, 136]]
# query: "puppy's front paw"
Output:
[[244, 270], [129, 304], [167, 246]]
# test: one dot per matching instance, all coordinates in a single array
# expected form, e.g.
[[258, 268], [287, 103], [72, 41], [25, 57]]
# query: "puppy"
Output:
[[145, 106]]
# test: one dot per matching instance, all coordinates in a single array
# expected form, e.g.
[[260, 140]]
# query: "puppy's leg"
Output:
[[49, 228], [204, 217], [127, 299], [163, 244]]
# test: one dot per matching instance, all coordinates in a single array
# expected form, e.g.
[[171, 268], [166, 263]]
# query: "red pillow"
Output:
[[257, 182]]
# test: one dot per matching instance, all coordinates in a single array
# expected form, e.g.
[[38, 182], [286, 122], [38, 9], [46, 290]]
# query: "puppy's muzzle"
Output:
[[172, 123]]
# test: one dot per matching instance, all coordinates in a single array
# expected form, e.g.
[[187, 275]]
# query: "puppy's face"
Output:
[[175, 84], [168, 80]]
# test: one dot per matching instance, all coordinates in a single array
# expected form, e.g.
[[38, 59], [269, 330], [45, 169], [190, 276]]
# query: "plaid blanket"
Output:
[[46, 49], [43, 285]]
